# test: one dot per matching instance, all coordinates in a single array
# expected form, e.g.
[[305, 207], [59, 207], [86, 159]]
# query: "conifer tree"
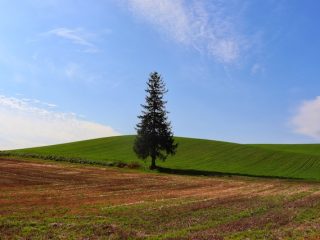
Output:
[[154, 134]]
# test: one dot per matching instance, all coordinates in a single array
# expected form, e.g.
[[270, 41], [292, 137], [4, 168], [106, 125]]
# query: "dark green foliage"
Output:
[[154, 135]]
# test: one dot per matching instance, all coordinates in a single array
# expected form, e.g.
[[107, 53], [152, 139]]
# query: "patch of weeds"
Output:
[[293, 232], [262, 217], [28, 231], [250, 234], [120, 164], [175, 218], [307, 214], [134, 165]]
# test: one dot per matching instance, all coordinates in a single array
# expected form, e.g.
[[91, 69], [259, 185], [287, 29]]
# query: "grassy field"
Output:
[[49, 200], [309, 149], [204, 157]]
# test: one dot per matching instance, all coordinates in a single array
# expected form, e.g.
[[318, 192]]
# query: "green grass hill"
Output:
[[313, 149], [198, 156]]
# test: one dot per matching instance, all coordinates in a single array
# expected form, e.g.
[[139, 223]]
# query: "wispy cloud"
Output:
[[77, 36], [257, 68], [307, 119], [27, 122], [72, 70], [205, 26], [77, 72]]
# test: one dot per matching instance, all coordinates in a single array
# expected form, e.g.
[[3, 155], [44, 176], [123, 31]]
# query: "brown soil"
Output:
[[25, 183]]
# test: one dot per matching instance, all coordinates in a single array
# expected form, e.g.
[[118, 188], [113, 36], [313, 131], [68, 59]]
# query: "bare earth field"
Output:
[[43, 200]]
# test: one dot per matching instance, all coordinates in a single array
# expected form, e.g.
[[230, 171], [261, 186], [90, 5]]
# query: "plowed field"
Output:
[[44, 200]]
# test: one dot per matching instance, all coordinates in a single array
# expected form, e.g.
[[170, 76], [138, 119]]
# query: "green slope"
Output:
[[200, 155], [312, 149]]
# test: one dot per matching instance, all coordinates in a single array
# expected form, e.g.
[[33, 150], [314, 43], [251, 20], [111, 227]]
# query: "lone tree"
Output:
[[154, 135]]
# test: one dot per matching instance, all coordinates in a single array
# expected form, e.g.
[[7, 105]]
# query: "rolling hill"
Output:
[[312, 149], [198, 156]]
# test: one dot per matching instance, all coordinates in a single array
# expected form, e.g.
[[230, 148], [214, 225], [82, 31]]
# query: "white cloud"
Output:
[[307, 119], [193, 24], [28, 123], [76, 36]]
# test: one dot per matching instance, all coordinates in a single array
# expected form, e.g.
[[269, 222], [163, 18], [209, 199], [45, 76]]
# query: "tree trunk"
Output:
[[153, 163]]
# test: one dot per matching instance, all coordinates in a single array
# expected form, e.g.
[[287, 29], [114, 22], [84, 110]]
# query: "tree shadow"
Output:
[[193, 172]]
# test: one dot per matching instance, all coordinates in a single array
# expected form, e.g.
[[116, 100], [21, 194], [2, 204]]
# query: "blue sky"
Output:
[[241, 71]]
